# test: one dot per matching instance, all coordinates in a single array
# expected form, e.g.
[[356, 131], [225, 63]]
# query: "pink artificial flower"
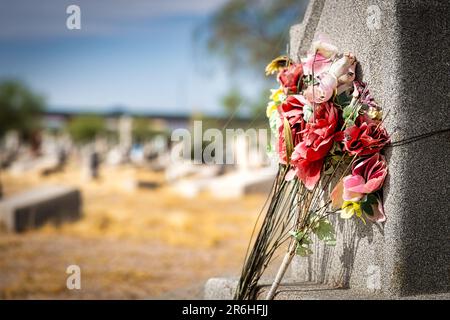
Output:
[[346, 81], [342, 66], [336, 195], [316, 64], [367, 176], [378, 212], [322, 92], [322, 45], [321, 56]]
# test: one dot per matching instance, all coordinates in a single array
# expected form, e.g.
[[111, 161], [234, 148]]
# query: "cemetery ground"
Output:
[[131, 243]]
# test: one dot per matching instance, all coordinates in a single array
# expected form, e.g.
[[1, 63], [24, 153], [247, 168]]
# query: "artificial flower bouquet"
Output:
[[329, 134]]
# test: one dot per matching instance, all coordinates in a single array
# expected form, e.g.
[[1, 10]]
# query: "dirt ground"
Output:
[[131, 243]]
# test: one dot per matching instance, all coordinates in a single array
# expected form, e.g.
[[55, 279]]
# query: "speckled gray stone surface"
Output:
[[314, 291], [304, 32], [223, 289], [406, 63], [220, 288]]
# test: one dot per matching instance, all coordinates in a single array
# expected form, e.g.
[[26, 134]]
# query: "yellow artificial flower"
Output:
[[271, 108], [350, 208], [375, 114], [277, 95], [277, 64]]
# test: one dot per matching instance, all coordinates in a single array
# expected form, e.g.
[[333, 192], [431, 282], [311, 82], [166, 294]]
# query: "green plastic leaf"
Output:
[[306, 241], [329, 171], [343, 99], [298, 235], [350, 113], [303, 251], [303, 242], [308, 80], [293, 233], [273, 123], [307, 112], [367, 208], [288, 139], [325, 232], [347, 111], [372, 199], [336, 148]]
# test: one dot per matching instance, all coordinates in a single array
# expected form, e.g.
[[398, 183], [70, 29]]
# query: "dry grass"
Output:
[[130, 243]]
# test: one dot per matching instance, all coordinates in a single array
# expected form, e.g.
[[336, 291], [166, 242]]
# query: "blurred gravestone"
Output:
[[39, 206], [402, 47], [94, 163], [125, 132]]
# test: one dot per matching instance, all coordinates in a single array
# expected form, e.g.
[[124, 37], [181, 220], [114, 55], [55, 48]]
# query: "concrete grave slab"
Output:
[[36, 207]]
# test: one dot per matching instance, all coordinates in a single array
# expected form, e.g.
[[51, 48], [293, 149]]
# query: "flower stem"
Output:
[[282, 270]]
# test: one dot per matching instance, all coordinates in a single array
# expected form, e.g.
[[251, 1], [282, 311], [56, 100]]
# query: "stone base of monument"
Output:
[[36, 207], [224, 288]]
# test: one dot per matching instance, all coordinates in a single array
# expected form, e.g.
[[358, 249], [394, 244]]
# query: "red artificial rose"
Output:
[[289, 77], [365, 137], [316, 141], [292, 110], [318, 135], [307, 171], [292, 103]]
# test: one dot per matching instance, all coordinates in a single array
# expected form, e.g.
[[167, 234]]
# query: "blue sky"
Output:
[[137, 54]]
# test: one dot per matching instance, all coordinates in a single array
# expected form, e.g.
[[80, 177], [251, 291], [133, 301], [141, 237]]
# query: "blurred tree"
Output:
[[232, 100], [143, 131], [19, 107], [259, 104], [250, 33], [86, 127]]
